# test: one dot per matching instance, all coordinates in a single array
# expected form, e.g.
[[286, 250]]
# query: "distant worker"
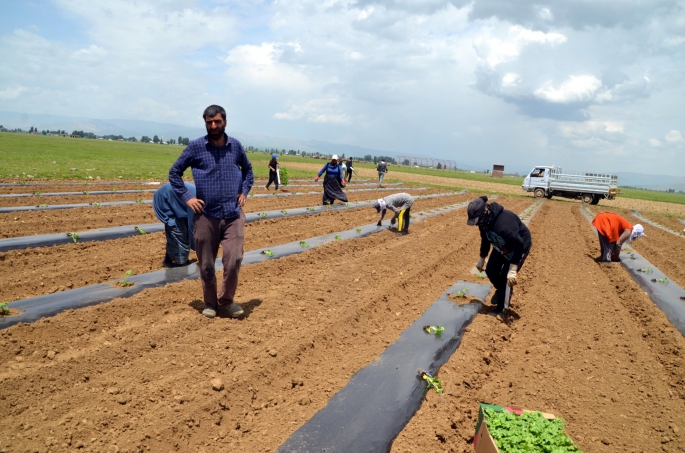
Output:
[[400, 204], [273, 171], [350, 169], [382, 169], [343, 168], [177, 218], [614, 231], [511, 242], [332, 182]]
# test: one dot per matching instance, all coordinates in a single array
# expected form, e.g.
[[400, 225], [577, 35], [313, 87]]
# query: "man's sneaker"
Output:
[[209, 312], [233, 310]]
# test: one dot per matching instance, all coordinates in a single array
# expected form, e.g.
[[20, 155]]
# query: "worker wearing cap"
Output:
[[614, 231], [178, 224], [511, 242], [273, 169], [382, 169], [400, 204], [332, 182]]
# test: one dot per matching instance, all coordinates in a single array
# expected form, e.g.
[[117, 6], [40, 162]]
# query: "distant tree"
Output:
[[180, 140], [155, 139], [145, 139], [368, 158], [186, 141]]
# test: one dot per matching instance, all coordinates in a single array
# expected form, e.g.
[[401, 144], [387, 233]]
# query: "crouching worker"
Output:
[[178, 224], [400, 204], [614, 231], [511, 243]]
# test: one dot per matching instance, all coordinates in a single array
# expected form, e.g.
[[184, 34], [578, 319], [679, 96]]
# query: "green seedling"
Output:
[[74, 237], [44, 205], [311, 209], [85, 192], [435, 330], [431, 382], [4, 309], [462, 293], [663, 280], [337, 237], [140, 230], [359, 230], [139, 200], [35, 194], [481, 274], [124, 282], [97, 205], [328, 206], [284, 212], [304, 244], [268, 253], [646, 270], [263, 214]]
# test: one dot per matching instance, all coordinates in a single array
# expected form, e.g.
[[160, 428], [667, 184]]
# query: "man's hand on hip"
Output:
[[196, 205], [241, 200]]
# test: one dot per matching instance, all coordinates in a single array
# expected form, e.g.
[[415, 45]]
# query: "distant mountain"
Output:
[[137, 128]]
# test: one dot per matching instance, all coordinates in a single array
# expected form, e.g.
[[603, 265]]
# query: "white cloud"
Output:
[[575, 89], [496, 51], [511, 79], [654, 142], [261, 66], [674, 136], [12, 93], [315, 111]]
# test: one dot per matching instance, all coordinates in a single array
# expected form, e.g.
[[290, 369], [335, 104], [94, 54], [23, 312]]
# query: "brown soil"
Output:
[[80, 219], [136, 374], [75, 199], [45, 270], [669, 222]]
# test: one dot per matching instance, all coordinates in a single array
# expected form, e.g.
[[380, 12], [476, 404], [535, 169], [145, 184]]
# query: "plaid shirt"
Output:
[[220, 174]]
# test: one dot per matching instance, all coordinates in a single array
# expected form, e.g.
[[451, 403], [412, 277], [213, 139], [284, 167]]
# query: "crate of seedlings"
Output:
[[515, 430]]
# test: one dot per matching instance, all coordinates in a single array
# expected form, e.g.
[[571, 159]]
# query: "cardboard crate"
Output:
[[483, 441]]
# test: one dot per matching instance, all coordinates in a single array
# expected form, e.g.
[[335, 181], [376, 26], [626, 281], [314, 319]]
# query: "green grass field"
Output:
[[46, 157]]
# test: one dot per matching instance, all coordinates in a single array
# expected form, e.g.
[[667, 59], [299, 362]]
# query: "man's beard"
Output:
[[217, 135]]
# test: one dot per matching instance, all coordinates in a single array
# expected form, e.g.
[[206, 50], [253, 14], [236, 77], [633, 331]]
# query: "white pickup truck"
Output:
[[551, 181]]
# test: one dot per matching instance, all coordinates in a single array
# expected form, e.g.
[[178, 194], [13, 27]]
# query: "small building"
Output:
[[498, 171]]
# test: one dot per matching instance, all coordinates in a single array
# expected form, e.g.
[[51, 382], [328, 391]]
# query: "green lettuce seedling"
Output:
[[304, 244], [4, 309], [435, 330], [139, 200], [36, 194], [431, 382], [44, 205], [74, 237], [311, 209], [284, 212], [263, 214], [97, 205], [337, 237], [268, 253], [85, 192], [124, 282], [140, 230], [462, 293], [359, 230]]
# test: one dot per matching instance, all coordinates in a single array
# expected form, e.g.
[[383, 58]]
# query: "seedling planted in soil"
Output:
[[359, 230], [268, 253], [461, 293], [124, 282], [304, 244], [311, 209], [431, 382], [481, 274], [646, 270], [74, 237], [4, 309], [43, 205], [435, 330], [263, 214], [664, 280], [284, 212], [140, 230], [35, 194], [337, 237], [97, 205]]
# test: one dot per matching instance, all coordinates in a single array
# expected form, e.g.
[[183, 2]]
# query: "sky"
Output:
[[594, 85]]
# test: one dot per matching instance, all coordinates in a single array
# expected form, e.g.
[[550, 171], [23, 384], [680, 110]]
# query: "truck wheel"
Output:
[[595, 200], [587, 198], [539, 193]]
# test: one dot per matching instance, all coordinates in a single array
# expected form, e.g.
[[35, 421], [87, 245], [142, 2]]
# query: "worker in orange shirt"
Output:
[[614, 231]]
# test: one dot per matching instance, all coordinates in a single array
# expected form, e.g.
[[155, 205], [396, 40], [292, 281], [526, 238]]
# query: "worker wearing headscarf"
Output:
[[614, 231], [332, 182], [510, 240], [273, 171], [400, 204]]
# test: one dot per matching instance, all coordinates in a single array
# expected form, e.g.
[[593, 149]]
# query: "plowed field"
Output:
[[135, 375]]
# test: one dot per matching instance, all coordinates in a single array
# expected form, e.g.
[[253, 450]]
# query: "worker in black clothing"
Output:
[[511, 242], [273, 169], [350, 169]]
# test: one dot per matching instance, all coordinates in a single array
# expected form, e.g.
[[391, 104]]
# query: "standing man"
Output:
[[223, 177], [511, 242], [400, 204], [614, 231], [382, 169], [178, 224], [350, 169], [273, 170]]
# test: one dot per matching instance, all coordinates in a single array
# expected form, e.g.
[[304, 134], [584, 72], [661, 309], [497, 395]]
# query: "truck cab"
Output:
[[537, 181]]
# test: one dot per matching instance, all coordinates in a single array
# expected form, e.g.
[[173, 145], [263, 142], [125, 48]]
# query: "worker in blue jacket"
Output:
[[178, 224], [333, 182]]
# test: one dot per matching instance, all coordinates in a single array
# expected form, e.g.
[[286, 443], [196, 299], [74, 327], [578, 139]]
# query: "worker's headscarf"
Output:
[[380, 205], [637, 233]]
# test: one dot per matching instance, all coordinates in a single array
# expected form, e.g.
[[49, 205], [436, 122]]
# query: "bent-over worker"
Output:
[[614, 231], [400, 204], [177, 218], [511, 242]]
